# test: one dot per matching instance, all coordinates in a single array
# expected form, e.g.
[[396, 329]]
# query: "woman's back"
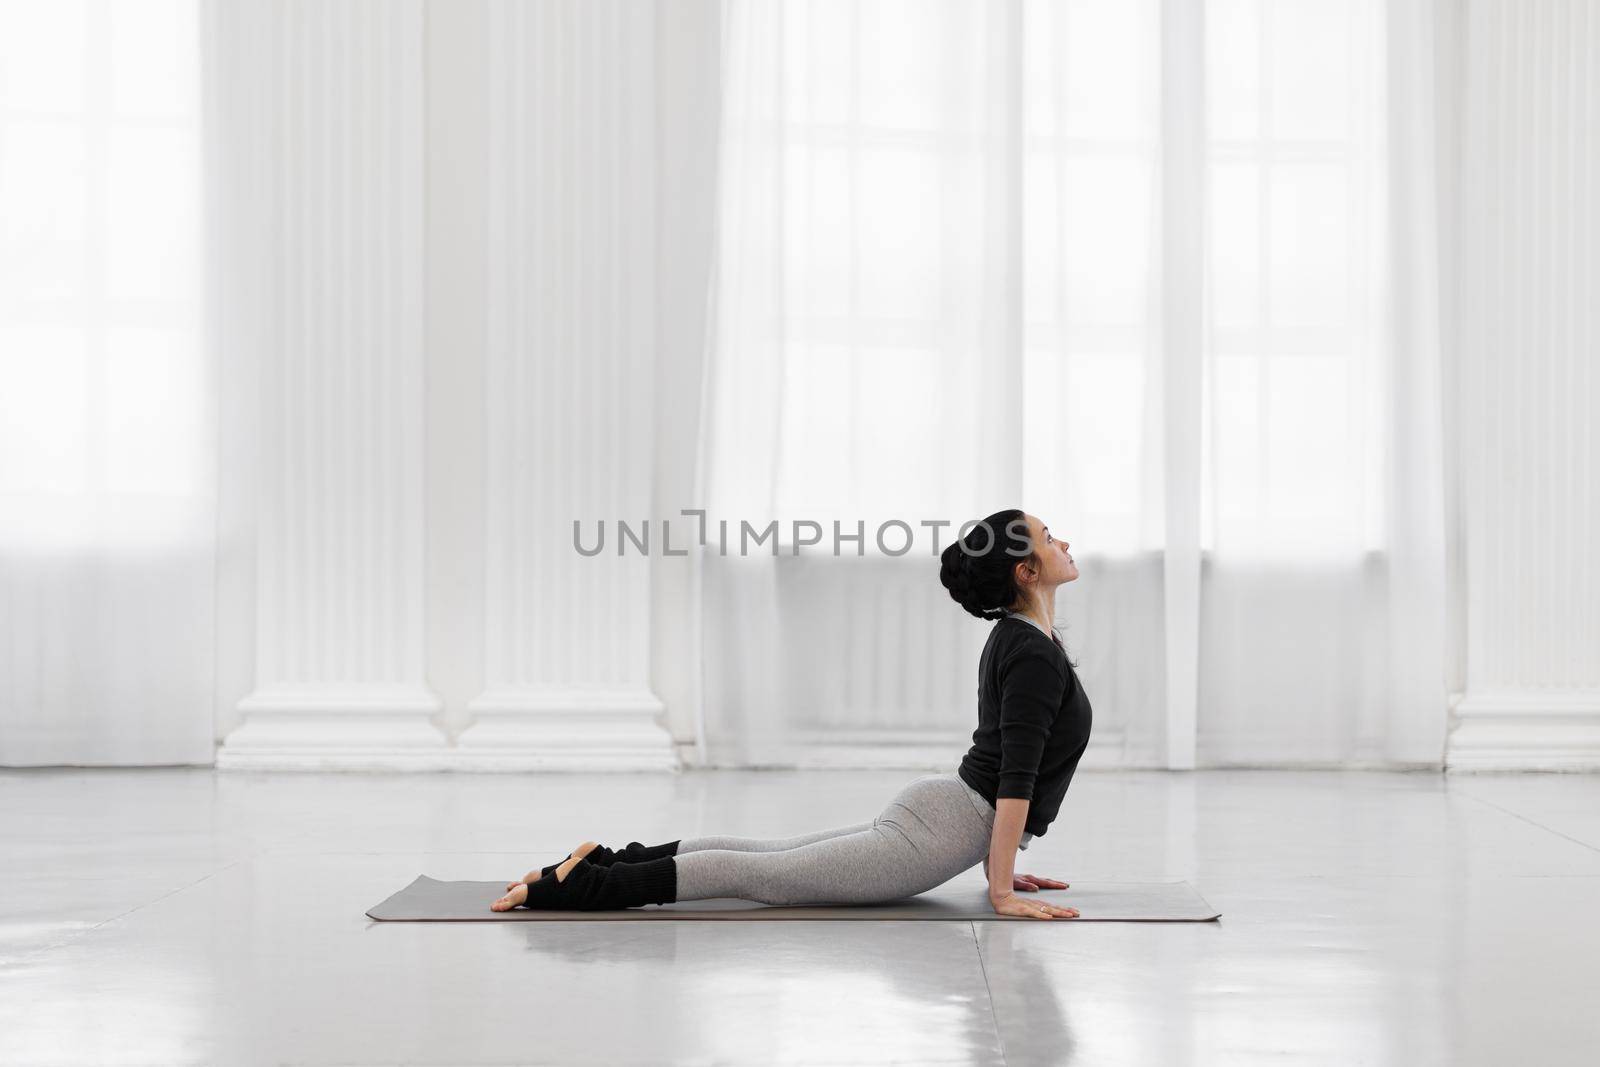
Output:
[[1034, 721]]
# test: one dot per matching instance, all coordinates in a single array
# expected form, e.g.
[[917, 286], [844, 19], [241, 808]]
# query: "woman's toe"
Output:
[[511, 899]]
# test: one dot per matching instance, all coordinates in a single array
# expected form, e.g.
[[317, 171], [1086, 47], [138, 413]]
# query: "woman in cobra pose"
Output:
[[1033, 726]]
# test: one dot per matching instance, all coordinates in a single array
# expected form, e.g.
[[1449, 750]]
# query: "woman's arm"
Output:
[[1010, 815], [1031, 689]]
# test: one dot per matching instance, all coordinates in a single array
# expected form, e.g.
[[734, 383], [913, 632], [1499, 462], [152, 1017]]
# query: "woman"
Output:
[[1033, 726]]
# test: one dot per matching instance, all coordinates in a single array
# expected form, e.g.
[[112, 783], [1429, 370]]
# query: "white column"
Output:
[[322, 105], [1529, 223], [569, 390]]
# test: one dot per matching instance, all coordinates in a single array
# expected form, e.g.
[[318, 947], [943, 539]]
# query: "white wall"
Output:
[[1520, 356], [457, 150], [687, 72]]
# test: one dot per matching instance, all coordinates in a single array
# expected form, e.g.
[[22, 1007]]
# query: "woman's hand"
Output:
[[1011, 904], [1032, 883], [1027, 883]]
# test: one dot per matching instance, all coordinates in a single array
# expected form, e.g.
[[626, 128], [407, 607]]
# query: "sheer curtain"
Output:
[[1158, 272], [106, 475]]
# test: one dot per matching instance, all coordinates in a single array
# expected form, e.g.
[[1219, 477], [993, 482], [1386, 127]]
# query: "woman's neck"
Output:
[[1042, 610]]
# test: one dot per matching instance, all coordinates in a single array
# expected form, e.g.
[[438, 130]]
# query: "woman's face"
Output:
[[1055, 563]]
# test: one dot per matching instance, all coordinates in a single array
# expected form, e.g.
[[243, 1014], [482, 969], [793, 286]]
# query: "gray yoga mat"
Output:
[[430, 900]]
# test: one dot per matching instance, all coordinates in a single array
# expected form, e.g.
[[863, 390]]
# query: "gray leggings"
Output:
[[935, 827]]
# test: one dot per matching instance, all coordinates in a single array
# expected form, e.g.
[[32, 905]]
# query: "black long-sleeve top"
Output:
[[1033, 721]]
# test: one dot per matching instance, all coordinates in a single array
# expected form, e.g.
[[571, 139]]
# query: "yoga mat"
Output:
[[430, 900]]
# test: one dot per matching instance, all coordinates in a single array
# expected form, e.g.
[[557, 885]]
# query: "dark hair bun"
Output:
[[956, 575], [977, 569]]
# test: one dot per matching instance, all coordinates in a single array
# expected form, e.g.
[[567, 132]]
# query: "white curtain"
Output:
[[106, 414], [1161, 273]]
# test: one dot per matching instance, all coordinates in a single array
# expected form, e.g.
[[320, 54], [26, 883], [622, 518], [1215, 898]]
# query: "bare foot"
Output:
[[519, 890], [534, 875]]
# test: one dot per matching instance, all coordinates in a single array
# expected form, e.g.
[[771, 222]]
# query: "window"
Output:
[[101, 376]]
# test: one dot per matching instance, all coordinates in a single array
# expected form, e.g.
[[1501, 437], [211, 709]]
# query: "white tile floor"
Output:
[[184, 916]]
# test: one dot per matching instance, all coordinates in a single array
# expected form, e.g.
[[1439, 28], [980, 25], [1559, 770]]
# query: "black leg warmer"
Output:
[[621, 885], [634, 852]]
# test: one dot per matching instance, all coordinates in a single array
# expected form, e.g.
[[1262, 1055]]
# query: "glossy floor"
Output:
[[186, 916]]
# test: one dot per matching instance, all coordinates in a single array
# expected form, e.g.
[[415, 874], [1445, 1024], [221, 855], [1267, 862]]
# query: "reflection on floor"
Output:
[[186, 916]]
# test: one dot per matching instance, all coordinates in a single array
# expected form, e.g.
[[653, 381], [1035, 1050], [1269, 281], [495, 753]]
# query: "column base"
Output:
[[569, 728], [337, 728], [1549, 731]]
